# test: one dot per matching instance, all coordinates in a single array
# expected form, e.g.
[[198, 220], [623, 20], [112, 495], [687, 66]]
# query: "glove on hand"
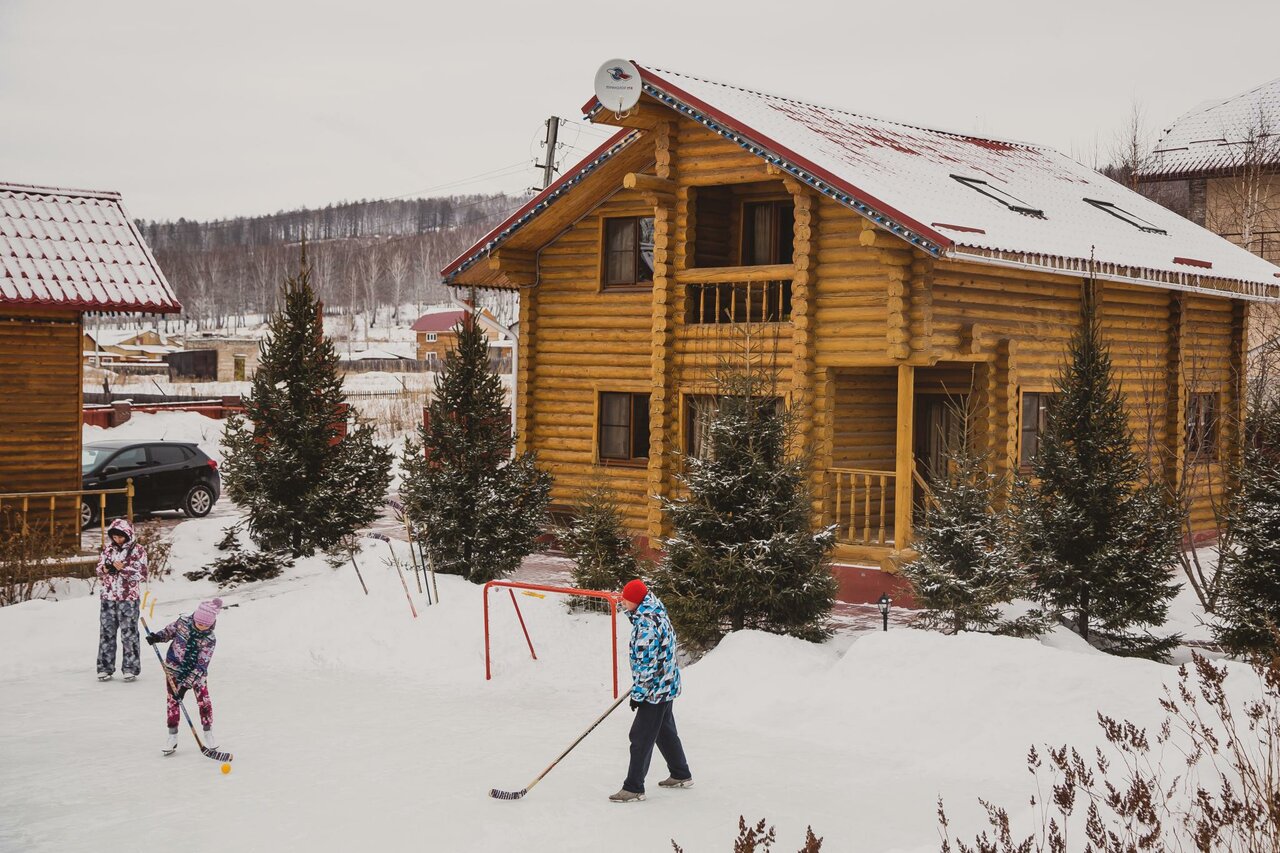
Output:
[[152, 639], [634, 704]]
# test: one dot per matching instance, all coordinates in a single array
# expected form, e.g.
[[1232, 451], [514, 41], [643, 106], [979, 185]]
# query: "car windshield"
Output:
[[91, 456]]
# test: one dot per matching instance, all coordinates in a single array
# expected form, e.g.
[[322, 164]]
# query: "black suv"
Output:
[[166, 475]]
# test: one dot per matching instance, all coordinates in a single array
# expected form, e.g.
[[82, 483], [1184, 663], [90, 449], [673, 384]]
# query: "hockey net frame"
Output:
[[613, 598]]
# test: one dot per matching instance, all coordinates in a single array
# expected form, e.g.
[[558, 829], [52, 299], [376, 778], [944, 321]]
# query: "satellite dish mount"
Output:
[[618, 87]]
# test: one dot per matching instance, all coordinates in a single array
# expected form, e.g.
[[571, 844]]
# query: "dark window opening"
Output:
[[628, 255], [624, 426], [1202, 426], [1036, 408], [1125, 216], [768, 233], [1007, 199]]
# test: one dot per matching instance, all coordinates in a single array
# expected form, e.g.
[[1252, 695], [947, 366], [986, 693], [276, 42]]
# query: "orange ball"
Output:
[[226, 768]]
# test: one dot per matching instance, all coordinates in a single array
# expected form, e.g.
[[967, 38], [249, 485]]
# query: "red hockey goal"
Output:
[[511, 586]]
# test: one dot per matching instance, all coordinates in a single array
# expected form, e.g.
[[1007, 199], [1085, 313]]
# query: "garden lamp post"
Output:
[[884, 603]]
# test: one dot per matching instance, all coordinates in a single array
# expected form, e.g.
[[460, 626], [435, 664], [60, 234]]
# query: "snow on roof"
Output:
[[972, 198], [76, 249], [438, 321], [1212, 136], [959, 196]]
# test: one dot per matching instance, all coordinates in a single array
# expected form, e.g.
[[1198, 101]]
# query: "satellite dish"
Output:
[[618, 85]]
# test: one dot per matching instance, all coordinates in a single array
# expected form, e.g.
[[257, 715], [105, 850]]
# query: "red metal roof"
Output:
[[77, 249], [438, 321]]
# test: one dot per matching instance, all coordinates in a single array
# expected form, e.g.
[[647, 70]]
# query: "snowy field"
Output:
[[358, 727]]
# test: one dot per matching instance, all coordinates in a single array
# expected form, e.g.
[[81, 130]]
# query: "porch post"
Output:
[[903, 490]]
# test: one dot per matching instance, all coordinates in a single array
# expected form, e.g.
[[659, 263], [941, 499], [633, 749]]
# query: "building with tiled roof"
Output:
[[63, 253], [890, 269], [1221, 163]]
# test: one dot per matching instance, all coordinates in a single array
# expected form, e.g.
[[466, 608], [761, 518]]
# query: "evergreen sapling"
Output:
[[1097, 534], [968, 565], [479, 512], [745, 553], [603, 552], [1249, 604], [303, 484]]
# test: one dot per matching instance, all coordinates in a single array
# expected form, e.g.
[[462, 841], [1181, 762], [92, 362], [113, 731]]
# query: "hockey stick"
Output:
[[173, 691], [515, 795]]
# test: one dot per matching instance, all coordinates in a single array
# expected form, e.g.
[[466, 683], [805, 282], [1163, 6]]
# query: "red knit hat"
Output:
[[635, 591]]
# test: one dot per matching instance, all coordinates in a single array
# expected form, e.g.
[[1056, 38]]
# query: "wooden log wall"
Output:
[[584, 341], [40, 425], [862, 303], [1212, 341]]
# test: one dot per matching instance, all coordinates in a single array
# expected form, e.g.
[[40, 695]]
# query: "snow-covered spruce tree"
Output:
[[1249, 605], [745, 553], [302, 489], [968, 563], [479, 510], [1097, 534], [603, 552]]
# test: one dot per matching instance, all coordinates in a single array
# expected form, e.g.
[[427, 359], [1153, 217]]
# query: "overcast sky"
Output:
[[208, 110]]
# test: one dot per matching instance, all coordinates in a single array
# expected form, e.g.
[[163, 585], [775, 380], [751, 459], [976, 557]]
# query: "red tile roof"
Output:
[[76, 249], [438, 321]]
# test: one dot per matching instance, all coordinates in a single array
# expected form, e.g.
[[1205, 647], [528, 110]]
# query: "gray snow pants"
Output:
[[118, 617]]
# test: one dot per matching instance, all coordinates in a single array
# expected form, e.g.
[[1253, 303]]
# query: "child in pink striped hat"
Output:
[[191, 644]]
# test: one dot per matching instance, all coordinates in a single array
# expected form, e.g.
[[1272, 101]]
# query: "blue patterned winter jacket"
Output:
[[654, 674]]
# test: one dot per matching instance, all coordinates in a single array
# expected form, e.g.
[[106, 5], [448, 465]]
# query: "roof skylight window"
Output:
[[1124, 215], [1009, 200]]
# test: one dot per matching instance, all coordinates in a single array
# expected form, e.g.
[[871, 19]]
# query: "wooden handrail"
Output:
[[718, 275], [128, 491], [924, 486], [77, 492], [864, 498]]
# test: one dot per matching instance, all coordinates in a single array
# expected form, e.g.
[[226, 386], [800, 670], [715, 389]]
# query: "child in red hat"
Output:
[[655, 683]]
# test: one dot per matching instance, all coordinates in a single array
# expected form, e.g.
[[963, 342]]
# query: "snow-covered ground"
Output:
[[356, 726]]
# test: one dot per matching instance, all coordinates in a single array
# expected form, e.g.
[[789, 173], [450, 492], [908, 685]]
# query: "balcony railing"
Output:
[[863, 514], [727, 295]]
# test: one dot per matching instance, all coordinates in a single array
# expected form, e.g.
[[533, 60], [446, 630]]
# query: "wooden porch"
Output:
[[889, 426]]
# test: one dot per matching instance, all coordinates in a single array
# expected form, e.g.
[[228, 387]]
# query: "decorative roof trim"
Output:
[[539, 203], [1188, 281], [882, 214]]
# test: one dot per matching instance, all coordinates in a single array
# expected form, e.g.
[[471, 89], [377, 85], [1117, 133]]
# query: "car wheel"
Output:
[[198, 501], [86, 514]]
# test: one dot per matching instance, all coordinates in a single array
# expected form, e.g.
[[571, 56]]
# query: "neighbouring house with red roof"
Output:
[[63, 253], [891, 268], [436, 336]]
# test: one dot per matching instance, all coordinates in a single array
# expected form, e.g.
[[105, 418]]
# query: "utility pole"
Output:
[[549, 167]]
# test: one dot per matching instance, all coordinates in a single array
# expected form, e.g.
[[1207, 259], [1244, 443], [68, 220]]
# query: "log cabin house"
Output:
[[891, 267], [63, 253]]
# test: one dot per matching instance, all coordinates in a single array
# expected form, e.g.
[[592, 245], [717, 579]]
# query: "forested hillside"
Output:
[[369, 257]]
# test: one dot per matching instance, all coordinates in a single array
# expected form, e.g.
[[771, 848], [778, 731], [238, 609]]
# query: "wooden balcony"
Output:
[[735, 295]]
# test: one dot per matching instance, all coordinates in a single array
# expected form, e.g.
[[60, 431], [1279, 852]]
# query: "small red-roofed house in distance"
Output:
[[436, 331], [63, 254]]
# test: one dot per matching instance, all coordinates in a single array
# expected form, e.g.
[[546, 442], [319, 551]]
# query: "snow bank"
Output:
[[356, 726], [167, 426]]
